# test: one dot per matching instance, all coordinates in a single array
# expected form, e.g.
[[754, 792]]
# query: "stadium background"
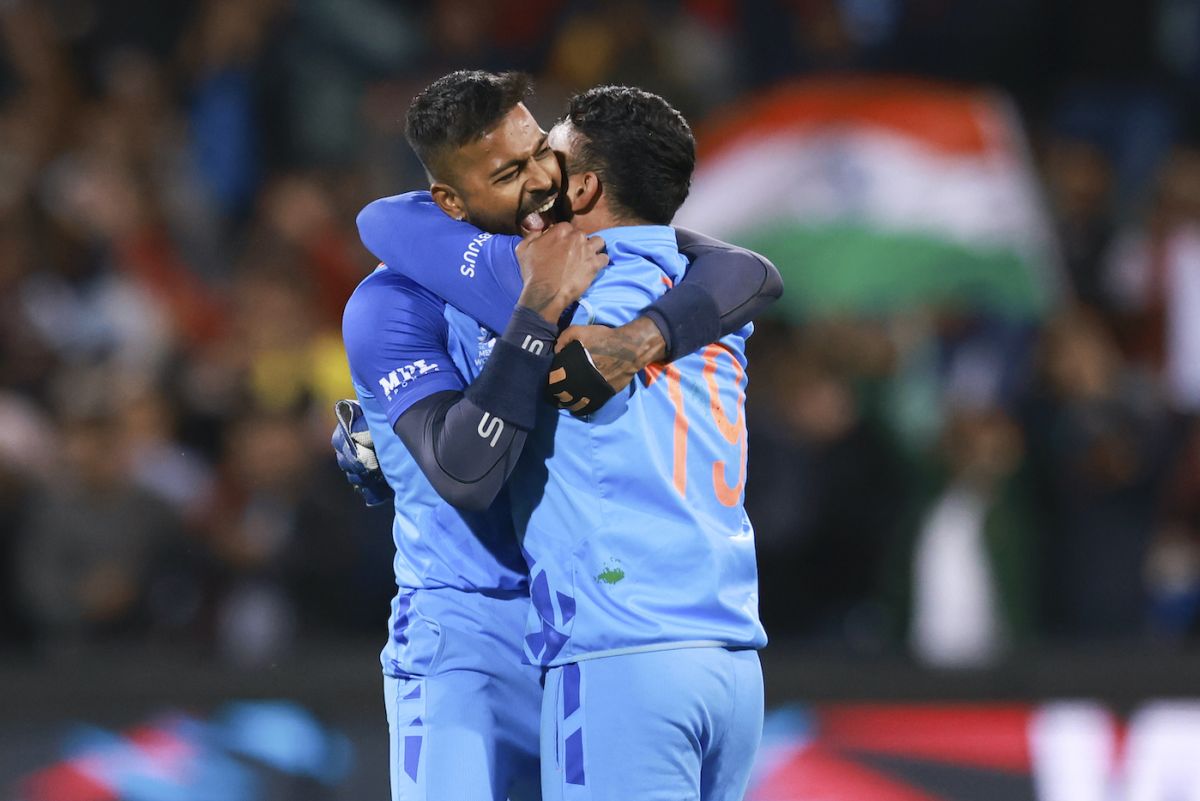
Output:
[[975, 458]]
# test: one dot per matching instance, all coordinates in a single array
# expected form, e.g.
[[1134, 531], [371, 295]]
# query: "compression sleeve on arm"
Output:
[[467, 443], [724, 288]]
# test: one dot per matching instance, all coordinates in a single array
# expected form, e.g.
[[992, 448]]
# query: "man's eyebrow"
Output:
[[508, 165]]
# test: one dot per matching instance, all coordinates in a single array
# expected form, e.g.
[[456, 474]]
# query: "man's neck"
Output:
[[600, 218]]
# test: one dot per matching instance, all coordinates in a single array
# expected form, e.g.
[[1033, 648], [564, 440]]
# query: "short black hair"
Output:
[[459, 108], [641, 147]]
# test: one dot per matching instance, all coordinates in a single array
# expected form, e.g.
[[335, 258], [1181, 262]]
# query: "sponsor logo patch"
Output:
[[403, 376], [471, 255]]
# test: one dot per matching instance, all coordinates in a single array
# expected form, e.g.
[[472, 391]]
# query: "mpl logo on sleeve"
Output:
[[403, 376]]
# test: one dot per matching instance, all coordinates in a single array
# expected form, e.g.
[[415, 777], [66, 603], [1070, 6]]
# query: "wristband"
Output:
[[510, 385], [575, 384]]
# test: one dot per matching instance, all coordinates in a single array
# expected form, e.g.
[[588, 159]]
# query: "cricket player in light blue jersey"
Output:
[[448, 404], [642, 560], [641, 557]]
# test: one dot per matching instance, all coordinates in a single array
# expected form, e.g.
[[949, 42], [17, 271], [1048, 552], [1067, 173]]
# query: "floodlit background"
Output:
[[974, 456]]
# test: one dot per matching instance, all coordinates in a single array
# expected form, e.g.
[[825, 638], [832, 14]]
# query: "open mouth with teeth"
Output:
[[540, 218]]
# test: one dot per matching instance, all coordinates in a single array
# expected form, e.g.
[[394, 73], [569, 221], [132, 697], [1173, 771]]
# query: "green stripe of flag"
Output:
[[845, 268]]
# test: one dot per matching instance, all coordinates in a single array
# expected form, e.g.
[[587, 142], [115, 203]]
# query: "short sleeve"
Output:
[[395, 334], [473, 271]]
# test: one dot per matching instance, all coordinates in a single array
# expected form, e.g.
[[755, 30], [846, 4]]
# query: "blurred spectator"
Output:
[[303, 216], [972, 571], [288, 357], [92, 542], [1111, 87], [1154, 278], [825, 488], [311, 68], [1100, 443], [1172, 570], [657, 46], [26, 357], [26, 437], [158, 463], [280, 539], [1079, 179], [220, 52]]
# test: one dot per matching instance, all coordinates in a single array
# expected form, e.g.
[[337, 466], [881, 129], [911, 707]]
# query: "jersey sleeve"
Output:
[[474, 271], [396, 342]]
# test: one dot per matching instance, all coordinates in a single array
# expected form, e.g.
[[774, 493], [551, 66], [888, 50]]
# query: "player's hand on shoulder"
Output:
[[557, 266], [356, 456]]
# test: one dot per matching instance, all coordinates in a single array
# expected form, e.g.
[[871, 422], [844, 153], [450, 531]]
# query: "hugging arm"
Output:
[[474, 271], [464, 436], [725, 287], [467, 443], [478, 273]]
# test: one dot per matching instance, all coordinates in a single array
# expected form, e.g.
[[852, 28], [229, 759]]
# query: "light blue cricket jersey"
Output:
[[405, 344], [632, 520]]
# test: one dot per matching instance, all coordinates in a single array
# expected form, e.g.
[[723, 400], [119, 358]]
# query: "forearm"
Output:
[[444, 435], [467, 443]]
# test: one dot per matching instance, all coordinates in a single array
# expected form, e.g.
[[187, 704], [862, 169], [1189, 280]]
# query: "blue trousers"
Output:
[[467, 730], [671, 725]]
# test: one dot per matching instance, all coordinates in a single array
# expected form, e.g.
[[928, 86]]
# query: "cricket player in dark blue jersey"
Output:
[[461, 707], [448, 407]]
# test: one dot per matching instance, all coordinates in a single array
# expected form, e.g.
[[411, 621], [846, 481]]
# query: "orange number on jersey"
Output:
[[734, 431], [675, 393]]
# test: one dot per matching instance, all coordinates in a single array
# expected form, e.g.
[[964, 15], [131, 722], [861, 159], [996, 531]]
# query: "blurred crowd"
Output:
[[178, 188]]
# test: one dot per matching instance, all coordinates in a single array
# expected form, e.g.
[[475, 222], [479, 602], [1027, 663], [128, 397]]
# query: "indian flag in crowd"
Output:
[[878, 194]]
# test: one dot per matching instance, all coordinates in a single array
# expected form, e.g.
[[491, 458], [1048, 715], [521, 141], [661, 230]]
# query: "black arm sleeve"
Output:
[[444, 433], [725, 288], [467, 443]]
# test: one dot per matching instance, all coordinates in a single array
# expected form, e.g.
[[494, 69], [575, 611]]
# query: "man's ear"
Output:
[[584, 191], [448, 200]]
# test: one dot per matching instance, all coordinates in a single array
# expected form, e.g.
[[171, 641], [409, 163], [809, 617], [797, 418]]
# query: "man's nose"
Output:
[[540, 179]]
